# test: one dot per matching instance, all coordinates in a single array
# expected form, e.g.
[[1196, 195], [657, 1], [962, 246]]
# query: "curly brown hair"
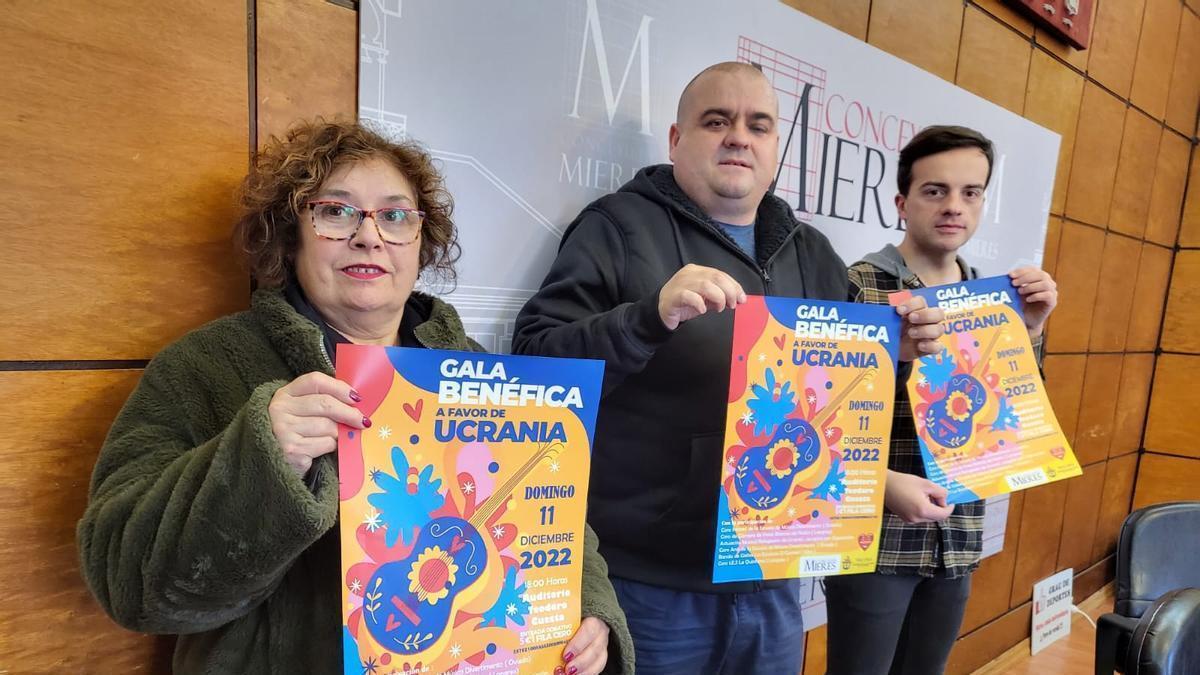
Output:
[[287, 172]]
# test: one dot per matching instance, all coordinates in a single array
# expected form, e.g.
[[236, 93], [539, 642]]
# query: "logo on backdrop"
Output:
[[593, 34], [839, 148], [591, 162]]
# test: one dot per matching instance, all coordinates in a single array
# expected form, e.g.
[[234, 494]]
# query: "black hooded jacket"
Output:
[[657, 453]]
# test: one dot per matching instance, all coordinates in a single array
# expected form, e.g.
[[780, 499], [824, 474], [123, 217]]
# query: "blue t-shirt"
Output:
[[742, 234]]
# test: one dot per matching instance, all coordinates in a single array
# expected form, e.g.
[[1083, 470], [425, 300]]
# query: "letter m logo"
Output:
[[640, 49]]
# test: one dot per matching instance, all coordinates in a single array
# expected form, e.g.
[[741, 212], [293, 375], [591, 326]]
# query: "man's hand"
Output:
[[915, 499], [1039, 294], [920, 328], [695, 290]]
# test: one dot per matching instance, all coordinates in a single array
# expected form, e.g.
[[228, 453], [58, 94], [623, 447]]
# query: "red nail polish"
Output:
[[572, 670], [355, 397], [366, 422], [569, 656]]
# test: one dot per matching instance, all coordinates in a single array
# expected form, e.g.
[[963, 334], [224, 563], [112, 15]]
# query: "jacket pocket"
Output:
[[696, 500]]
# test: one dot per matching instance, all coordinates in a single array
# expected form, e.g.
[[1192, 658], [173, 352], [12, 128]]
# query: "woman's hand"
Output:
[[587, 652], [304, 417]]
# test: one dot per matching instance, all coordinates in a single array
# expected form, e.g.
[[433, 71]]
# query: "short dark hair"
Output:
[[935, 139], [289, 170]]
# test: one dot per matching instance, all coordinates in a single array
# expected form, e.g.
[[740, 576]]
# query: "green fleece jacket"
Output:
[[196, 526]]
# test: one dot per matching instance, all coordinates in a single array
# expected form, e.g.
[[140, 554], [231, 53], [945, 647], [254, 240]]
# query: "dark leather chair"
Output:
[[1155, 626], [1164, 641]]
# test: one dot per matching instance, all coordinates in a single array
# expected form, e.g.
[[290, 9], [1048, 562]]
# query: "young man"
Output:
[[641, 280], [904, 618]]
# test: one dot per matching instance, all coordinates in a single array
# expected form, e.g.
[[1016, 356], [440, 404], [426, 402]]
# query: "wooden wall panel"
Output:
[[1052, 98], [1189, 229], [1050, 249], [815, 644], [1114, 505], [1037, 544], [1162, 225], [991, 583], [1132, 397], [1114, 44], [1097, 407], [1139, 153], [974, 650], [1084, 495], [1184, 95], [1155, 56], [1162, 478], [848, 16], [1172, 425], [1064, 385], [307, 63], [993, 61], [1181, 327], [1097, 149], [50, 443], [1005, 14], [1150, 294], [1077, 272], [903, 28], [1090, 580], [1114, 293], [126, 143]]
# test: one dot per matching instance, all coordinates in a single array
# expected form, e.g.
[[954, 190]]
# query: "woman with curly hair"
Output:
[[213, 504]]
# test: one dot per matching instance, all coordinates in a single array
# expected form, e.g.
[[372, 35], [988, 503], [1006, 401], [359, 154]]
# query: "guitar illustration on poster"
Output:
[[462, 509], [806, 439], [984, 422]]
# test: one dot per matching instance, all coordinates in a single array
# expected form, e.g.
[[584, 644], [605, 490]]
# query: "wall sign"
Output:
[[1067, 20]]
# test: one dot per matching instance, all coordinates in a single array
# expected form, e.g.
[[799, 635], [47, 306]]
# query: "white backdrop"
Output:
[[536, 108]]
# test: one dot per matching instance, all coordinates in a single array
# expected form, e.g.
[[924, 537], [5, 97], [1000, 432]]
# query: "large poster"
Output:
[[462, 509], [984, 421], [811, 389]]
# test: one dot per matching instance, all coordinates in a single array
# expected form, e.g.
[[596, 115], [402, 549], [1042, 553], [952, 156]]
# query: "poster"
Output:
[[984, 422], [462, 509], [806, 439]]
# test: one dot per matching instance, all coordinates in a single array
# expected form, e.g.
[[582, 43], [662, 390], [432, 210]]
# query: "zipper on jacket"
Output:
[[329, 361], [738, 250], [761, 269], [325, 355]]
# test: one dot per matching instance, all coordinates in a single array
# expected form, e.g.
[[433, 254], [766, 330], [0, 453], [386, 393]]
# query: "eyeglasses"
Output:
[[339, 222]]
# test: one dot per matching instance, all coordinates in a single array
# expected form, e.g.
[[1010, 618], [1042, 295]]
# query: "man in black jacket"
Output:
[[642, 279]]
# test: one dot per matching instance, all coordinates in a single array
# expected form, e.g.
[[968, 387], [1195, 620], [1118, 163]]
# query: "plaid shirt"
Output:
[[952, 547]]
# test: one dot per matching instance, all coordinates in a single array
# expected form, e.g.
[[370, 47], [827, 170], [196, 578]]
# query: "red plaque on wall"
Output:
[[1067, 20]]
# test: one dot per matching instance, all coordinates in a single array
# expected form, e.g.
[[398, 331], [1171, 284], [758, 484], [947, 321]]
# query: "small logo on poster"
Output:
[[820, 564], [1024, 479]]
